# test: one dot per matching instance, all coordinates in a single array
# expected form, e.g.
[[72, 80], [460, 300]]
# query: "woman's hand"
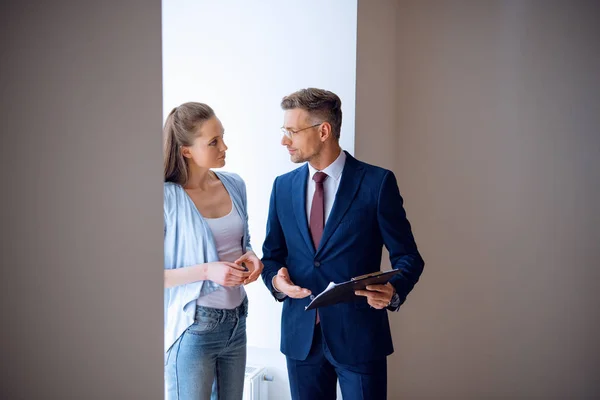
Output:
[[254, 265], [226, 273]]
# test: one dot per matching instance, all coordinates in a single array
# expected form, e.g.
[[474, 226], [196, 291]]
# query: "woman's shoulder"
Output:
[[171, 187], [170, 192], [231, 178]]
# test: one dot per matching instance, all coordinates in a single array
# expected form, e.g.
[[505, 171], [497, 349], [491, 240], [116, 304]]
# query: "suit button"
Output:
[[312, 296], [317, 264]]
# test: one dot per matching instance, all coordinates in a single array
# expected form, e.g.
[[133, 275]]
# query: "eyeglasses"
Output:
[[289, 133]]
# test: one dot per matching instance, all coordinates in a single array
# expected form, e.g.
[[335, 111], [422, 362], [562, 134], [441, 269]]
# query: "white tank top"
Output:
[[228, 232]]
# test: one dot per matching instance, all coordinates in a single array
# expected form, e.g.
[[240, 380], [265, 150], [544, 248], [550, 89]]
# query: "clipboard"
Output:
[[342, 292]]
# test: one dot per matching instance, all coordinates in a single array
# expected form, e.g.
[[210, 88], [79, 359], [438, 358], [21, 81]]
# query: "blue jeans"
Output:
[[209, 360]]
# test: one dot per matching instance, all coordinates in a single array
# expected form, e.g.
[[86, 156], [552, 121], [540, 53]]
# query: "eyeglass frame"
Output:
[[289, 133]]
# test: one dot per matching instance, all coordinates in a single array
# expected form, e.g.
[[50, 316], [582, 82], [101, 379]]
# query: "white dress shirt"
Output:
[[330, 186]]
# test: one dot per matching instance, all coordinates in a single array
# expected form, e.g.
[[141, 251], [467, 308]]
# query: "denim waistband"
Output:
[[222, 314]]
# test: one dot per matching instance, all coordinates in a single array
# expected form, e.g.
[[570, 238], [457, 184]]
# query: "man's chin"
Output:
[[296, 160]]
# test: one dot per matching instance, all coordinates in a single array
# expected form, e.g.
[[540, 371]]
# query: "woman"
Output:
[[208, 259]]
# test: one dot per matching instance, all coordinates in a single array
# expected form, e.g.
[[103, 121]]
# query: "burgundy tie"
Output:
[[317, 211], [317, 214]]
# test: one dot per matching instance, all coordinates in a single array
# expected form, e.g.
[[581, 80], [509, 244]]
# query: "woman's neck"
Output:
[[199, 178]]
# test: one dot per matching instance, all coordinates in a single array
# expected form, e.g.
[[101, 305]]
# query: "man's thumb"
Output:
[[283, 272]]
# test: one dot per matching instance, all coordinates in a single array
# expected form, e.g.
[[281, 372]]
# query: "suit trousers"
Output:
[[315, 378]]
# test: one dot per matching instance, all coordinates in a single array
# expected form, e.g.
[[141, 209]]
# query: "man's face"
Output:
[[305, 142]]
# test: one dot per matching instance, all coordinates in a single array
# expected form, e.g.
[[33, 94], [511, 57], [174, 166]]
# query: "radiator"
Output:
[[255, 383]]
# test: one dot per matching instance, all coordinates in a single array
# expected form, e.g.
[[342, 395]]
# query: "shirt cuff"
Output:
[[278, 295]]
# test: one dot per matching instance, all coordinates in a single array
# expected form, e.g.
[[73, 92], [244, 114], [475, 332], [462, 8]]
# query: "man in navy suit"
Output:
[[328, 222]]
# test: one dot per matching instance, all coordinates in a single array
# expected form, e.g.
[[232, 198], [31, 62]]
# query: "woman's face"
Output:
[[208, 149]]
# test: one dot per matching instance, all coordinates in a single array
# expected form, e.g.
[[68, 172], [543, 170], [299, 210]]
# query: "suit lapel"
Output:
[[352, 176], [299, 205]]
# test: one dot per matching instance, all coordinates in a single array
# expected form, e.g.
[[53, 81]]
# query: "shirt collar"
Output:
[[334, 170]]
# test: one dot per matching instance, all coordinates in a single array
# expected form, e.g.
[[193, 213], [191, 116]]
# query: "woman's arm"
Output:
[[223, 273], [181, 276]]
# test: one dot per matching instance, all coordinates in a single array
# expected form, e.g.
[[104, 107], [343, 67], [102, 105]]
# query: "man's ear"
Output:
[[325, 131]]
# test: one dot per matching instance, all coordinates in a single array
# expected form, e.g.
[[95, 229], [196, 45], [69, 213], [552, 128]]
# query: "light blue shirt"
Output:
[[189, 241]]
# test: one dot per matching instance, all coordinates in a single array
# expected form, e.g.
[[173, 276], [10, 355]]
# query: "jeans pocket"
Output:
[[203, 325], [244, 306]]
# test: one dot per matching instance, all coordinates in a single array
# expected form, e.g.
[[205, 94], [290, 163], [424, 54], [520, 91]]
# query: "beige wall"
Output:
[[81, 248], [489, 114]]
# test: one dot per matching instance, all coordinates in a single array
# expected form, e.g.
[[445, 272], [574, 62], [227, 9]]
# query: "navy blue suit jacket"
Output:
[[367, 214]]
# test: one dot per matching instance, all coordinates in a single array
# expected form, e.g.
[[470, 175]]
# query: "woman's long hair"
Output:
[[180, 129]]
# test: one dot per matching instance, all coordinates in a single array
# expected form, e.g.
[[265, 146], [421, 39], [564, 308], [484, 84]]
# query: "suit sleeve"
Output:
[[398, 238], [274, 246]]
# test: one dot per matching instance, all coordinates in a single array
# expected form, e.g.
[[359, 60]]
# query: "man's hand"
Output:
[[284, 284], [378, 296], [254, 265]]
